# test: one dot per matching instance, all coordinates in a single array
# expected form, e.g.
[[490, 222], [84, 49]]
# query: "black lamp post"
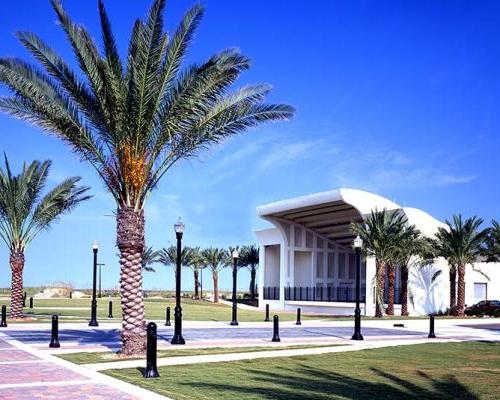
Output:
[[93, 312], [178, 339], [234, 320], [358, 243], [100, 265]]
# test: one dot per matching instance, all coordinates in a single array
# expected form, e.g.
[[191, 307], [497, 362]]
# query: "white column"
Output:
[[283, 266], [370, 278]]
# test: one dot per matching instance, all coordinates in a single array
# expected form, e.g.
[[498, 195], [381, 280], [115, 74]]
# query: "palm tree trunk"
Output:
[[404, 290], [215, 276], [16, 295], [390, 289], [196, 283], [252, 283], [130, 242], [461, 291], [379, 290], [453, 290]]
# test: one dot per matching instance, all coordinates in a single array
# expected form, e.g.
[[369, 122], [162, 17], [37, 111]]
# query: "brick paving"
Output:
[[26, 376]]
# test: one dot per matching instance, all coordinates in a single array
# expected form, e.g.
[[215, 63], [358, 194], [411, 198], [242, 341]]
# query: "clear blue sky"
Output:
[[399, 98]]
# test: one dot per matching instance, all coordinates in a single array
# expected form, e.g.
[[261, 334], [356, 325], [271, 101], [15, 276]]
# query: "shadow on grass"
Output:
[[316, 384]]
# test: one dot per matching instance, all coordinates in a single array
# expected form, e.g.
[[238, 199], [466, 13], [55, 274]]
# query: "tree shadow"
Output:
[[319, 384]]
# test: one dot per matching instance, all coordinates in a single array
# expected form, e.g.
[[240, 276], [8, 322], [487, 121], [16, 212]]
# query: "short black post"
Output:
[[267, 313], [110, 309], [151, 370], [276, 329], [3, 324], [167, 317], [298, 317], [70, 295], [432, 335], [24, 299], [31, 302], [54, 341]]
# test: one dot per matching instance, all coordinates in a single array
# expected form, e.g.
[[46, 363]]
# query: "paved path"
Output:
[[28, 374]]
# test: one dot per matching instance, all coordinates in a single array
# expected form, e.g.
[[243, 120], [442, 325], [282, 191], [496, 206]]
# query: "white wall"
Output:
[[302, 269], [272, 266]]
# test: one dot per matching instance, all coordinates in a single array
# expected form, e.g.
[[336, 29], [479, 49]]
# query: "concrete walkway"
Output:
[[214, 358], [27, 373]]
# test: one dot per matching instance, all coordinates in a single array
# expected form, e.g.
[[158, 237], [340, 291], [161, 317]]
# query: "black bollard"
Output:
[[54, 341], [24, 299], [3, 324], [276, 329], [432, 335], [267, 313], [70, 295], [151, 370], [167, 317], [110, 309], [31, 302], [298, 317]]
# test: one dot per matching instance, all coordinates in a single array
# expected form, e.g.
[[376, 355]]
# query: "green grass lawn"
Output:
[[108, 356], [428, 371], [193, 310]]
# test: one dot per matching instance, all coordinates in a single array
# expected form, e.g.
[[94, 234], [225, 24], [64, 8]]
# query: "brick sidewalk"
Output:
[[24, 375]]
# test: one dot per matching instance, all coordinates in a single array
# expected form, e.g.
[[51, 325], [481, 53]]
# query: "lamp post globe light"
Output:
[[234, 319], [93, 309], [358, 244], [178, 339]]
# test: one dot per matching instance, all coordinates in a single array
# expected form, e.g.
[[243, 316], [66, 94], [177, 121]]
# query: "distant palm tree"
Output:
[[380, 234], [25, 212], [215, 259], [149, 257], [168, 256], [492, 243], [133, 119], [195, 262], [249, 258], [461, 243]]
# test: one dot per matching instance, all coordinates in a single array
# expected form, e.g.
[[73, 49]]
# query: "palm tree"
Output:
[[411, 250], [195, 262], [380, 232], [492, 243], [168, 256], [25, 212], [133, 119], [460, 243], [249, 258], [215, 259], [149, 257]]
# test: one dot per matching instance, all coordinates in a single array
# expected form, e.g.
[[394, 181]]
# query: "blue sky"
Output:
[[399, 98]]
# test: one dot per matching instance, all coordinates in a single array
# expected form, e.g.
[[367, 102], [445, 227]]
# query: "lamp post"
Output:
[[178, 339], [93, 312], [100, 265], [234, 320], [358, 243]]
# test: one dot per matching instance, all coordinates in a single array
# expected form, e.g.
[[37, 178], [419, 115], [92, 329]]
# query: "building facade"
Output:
[[307, 259]]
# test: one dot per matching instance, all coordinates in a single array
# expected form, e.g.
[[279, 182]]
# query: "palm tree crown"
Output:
[[492, 243], [24, 212], [133, 120]]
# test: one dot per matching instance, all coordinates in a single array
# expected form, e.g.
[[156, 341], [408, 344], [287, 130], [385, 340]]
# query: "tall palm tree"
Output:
[[25, 212], [460, 243], [380, 232], [133, 119], [149, 257], [249, 258], [492, 243], [215, 259]]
